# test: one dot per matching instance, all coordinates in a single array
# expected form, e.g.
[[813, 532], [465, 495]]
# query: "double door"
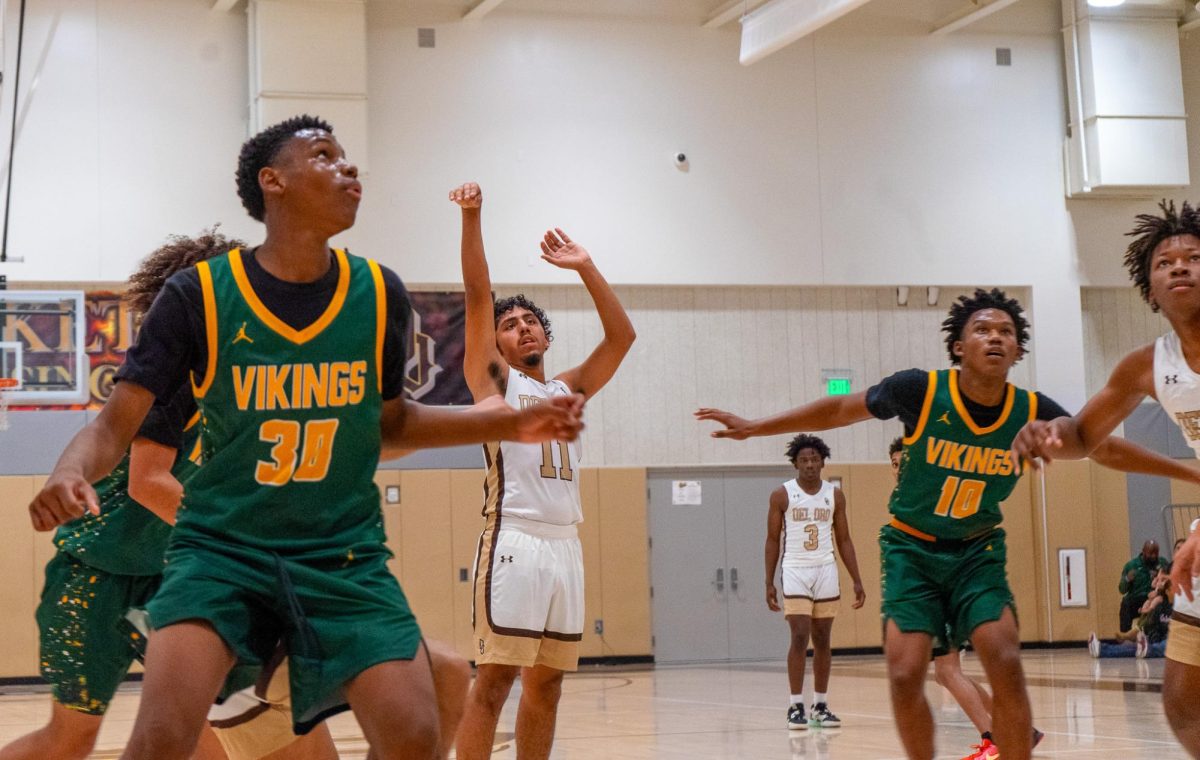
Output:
[[707, 567]]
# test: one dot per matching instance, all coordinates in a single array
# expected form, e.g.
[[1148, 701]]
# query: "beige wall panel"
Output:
[[466, 506], [589, 538], [19, 595], [1110, 516], [1115, 321], [624, 577], [866, 501], [845, 627], [1070, 522], [1023, 537], [391, 519], [425, 556]]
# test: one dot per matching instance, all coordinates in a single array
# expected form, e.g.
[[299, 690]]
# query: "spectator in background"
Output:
[[1148, 637], [1136, 580]]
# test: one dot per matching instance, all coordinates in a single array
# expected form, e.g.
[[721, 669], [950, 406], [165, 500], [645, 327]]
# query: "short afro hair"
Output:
[[1149, 233], [505, 305], [806, 441], [964, 307], [260, 151], [896, 446], [177, 254]]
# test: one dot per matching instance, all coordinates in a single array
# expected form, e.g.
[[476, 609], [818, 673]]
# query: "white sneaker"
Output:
[[1093, 645], [1143, 646]]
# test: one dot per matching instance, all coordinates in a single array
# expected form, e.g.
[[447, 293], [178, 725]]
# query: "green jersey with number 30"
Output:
[[290, 418], [954, 473]]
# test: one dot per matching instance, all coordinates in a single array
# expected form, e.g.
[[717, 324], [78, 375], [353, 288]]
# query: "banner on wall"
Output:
[[433, 370]]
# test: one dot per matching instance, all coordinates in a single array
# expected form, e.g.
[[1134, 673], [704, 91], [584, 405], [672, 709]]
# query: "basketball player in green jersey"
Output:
[[943, 553], [296, 357], [1164, 262]]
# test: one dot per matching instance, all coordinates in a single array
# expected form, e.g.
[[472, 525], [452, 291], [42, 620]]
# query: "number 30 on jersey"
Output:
[[302, 458]]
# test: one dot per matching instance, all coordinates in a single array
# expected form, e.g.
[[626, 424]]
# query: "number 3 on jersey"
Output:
[[960, 498], [303, 459]]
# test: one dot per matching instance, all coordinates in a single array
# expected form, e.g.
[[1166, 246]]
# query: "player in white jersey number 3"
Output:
[[528, 609], [807, 515]]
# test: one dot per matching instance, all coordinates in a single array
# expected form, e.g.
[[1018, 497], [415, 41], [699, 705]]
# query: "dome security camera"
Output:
[[681, 159]]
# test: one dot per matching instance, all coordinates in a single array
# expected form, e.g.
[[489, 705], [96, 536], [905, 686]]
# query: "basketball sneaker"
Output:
[[1037, 736], [984, 751], [796, 719], [1093, 644], [822, 717], [1143, 646]]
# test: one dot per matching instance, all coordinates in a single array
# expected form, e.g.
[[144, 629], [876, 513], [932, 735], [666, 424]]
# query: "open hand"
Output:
[[736, 427], [563, 252], [559, 418], [64, 498], [467, 195]]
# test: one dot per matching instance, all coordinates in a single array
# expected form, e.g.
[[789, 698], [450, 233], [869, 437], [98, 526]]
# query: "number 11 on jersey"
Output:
[[548, 470]]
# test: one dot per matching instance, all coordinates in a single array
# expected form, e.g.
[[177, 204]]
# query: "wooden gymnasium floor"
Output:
[[1088, 709]]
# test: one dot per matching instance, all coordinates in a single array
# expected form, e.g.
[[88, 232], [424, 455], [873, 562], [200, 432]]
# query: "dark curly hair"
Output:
[[505, 305], [806, 441], [177, 254], [260, 151], [1149, 233], [964, 307], [896, 446]]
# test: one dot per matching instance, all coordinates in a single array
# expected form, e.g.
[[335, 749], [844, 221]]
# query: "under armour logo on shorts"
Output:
[[506, 557], [481, 646], [1170, 379]]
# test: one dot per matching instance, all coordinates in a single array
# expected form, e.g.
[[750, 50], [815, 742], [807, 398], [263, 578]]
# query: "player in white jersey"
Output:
[[807, 515], [528, 610], [1164, 262]]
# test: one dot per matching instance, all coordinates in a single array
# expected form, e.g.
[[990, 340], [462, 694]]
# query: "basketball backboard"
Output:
[[42, 342]]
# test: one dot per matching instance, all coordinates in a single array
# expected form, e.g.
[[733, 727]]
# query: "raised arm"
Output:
[[91, 454], [1076, 437], [151, 483], [483, 365], [775, 508], [602, 363], [1126, 456], [845, 546], [823, 414]]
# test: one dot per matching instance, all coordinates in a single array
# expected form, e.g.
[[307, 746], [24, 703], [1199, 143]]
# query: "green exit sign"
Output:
[[837, 386]]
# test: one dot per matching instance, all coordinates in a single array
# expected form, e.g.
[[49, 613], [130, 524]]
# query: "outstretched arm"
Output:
[[1076, 437], [483, 366], [845, 546], [601, 365], [407, 425], [824, 414], [775, 507], [90, 455], [1126, 456]]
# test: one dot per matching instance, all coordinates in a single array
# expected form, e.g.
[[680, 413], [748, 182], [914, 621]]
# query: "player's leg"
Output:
[[537, 714], [395, 705], [907, 662], [477, 731], [451, 680], [970, 696], [173, 709], [1181, 676], [797, 657], [999, 646], [825, 606], [69, 735]]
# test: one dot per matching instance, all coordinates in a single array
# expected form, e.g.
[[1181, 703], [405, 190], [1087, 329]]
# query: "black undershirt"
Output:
[[903, 394], [172, 341]]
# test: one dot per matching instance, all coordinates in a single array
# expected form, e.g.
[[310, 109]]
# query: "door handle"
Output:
[[733, 578], [720, 581]]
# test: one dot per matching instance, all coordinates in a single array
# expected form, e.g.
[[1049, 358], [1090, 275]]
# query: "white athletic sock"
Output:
[[798, 699], [819, 698]]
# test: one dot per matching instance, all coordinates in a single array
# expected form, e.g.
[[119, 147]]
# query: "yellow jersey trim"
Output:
[[925, 407], [275, 323], [192, 422], [1009, 396], [380, 319], [210, 329], [1032, 405], [910, 530]]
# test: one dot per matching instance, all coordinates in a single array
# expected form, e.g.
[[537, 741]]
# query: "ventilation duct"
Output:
[[1127, 132]]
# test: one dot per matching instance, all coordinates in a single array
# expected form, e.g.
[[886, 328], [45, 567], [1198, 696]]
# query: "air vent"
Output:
[[1004, 56], [426, 38]]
